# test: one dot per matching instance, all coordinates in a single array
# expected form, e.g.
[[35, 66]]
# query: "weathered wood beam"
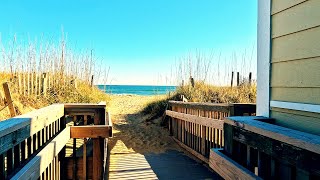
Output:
[[37, 165], [15, 130], [221, 107], [8, 100], [214, 123], [96, 131], [190, 150], [293, 137], [108, 122], [227, 168]]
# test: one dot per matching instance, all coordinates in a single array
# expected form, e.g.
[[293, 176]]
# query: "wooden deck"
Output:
[[127, 164]]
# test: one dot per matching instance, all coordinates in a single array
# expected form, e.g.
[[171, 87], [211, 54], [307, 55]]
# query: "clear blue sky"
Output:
[[138, 39]]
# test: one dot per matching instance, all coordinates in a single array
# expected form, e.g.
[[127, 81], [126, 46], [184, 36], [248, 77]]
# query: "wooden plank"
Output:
[[8, 100], [193, 152], [74, 151], [302, 73], [278, 6], [37, 119], [84, 168], [37, 165], [69, 106], [203, 140], [297, 95], [97, 154], [296, 138], [202, 106], [306, 122], [281, 151], [196, 119], [95, 131], [301, 17], [227, 168], [228, 138], [297, 46]]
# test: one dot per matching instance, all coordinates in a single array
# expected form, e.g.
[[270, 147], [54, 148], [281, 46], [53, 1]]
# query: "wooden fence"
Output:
[[33, 145], [256, 148], [198, 127], [39, 83]]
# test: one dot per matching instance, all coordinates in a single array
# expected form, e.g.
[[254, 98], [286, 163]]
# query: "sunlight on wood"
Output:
[[125, 163]]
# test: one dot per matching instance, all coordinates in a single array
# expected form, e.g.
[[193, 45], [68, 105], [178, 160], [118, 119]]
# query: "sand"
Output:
[[131, 132]]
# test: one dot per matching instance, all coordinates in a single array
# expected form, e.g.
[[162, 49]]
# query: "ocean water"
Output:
[[137, 89]]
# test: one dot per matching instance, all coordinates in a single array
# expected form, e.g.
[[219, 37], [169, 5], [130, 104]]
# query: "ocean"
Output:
[[137, 89]]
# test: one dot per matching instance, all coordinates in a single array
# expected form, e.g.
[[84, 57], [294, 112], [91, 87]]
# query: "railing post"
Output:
[[228, 133], [8, 100], [170, 122], [97, 152]]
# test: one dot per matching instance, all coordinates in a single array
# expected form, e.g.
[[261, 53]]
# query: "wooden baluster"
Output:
[[9, 161], [2, 166], [84, 170], [34, 143], [17, 155], [74, 154]]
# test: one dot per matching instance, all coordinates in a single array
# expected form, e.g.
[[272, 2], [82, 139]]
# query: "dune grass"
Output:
[[68, 72]]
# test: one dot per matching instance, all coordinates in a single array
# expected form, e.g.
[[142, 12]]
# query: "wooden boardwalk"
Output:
[[127, 164]]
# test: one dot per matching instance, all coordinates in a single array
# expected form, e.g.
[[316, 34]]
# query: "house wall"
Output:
[[295, 63]]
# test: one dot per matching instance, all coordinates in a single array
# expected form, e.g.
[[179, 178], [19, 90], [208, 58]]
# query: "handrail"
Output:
[[198, 127], [39, 164], [33, 144], [270, 151], [223, 107], [293, 137]]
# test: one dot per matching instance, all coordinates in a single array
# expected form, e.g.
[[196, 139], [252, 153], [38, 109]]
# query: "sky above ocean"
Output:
[[140, 40]]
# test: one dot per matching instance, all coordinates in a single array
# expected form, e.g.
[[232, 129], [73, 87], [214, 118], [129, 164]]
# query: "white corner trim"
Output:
[[296, 106], [263, 58]]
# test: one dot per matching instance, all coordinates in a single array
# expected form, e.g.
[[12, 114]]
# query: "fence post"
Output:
[[232, 78], [91, 80], [238, 79], [8, 101], [44, 83], [192, 81], [250, 77]]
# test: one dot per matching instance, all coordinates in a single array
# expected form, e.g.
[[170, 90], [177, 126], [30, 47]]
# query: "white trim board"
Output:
[[263, 51], [296, 106]]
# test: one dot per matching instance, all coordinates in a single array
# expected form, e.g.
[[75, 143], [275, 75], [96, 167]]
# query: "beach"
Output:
[[131, 131]]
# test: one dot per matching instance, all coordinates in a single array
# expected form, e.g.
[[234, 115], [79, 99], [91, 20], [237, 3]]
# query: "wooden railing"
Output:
[[32, 146], [198, 127], [256, 148]]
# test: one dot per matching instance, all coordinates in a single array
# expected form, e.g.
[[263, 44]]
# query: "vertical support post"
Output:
[[44, 83], [91, 80], [228, 139], [97, 155], [232, 78], [8, 100], [192, 81], [238, 79], [250, 78], [74, 154], [84, 170], [203, 140]]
